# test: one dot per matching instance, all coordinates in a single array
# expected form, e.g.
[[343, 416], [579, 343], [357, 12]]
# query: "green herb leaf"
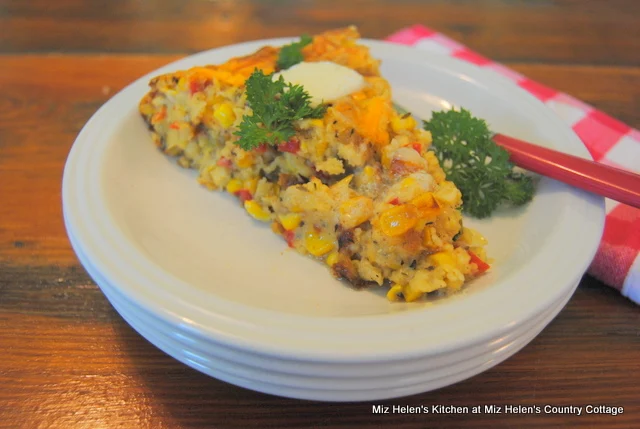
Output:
[[291, 54], [276, 104], [479, 167]]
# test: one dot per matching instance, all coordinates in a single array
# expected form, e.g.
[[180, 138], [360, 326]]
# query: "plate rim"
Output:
[[596, 203]]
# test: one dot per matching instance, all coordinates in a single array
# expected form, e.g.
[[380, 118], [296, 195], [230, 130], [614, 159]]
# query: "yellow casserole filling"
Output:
[[357, 189]]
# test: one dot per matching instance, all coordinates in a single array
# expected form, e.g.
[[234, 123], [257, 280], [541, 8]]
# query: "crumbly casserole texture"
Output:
[[357, 189]]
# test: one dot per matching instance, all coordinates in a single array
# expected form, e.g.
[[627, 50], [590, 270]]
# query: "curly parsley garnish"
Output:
[[291, 54], [276, 105], [479, 167]]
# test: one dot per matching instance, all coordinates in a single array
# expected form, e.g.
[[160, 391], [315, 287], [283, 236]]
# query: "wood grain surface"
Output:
[[67, 358]]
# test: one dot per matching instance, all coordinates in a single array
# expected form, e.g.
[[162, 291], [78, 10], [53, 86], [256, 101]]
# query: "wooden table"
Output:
[[69, 361]]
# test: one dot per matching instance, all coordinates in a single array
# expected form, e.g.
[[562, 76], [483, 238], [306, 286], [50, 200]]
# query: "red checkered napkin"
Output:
[[617, 262]]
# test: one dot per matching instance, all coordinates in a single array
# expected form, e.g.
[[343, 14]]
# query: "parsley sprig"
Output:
[[276, 105], [479, 167], [291, 54]]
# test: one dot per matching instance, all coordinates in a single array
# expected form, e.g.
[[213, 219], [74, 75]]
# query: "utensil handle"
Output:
[[610, 182]]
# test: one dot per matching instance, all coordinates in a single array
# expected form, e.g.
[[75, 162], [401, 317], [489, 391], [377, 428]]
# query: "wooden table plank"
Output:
[[90, 367], [588, 32]]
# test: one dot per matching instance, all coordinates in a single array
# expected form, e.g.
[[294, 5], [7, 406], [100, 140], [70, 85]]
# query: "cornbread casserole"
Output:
[[357, 189]]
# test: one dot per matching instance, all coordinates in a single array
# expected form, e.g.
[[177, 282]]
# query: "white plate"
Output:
[[318, 380], [193, 258]]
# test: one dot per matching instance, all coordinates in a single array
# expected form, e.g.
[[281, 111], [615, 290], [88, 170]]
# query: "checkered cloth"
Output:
[[617, 262]]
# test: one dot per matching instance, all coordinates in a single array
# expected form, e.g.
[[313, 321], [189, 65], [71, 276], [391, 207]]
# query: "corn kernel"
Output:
[[332, 259], [401, 123], [290, 221], [385, 159], [251, 185], [427, 241], [276, 227], [321, 147], [225, 115], [408, 182], [256, 211], [392, 295], [424, 200], [369, 171], [245, 160], [234, 186], [412, 294], [317, 122], [443, 258], [318, 244], [355, 211], [429, 213], [398, 219], [182, 83], [359, 96]]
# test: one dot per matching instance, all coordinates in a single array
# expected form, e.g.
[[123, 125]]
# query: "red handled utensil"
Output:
[[610, 182]]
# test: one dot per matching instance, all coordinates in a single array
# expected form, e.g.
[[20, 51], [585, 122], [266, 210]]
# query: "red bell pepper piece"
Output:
[[291, 146], [261, 149], [289, 237], [244, 195], [224, 162], [482, 265]]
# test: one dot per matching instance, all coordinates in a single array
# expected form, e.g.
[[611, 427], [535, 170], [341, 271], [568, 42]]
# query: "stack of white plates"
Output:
[[220, 292]]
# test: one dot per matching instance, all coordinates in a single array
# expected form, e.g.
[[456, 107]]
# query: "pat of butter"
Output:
[[323, 80]]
